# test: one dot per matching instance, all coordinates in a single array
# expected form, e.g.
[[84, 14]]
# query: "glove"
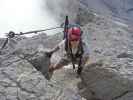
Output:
[[49, 53]]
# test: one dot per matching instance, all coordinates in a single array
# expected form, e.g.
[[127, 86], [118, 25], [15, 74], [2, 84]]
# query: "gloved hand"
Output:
[[48, 53]]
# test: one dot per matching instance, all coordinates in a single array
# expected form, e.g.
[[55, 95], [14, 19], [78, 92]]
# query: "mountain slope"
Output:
[[117, 8]]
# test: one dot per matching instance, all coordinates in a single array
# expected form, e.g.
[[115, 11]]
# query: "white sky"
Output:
[[24, 15]]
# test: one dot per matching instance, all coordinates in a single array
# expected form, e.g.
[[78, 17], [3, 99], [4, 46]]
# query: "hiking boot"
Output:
[[79, 71]]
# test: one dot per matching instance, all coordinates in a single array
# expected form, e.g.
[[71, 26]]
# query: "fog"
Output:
[[61, 8], [24, 15]]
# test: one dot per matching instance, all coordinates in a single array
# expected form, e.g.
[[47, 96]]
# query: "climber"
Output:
[[74, 50]]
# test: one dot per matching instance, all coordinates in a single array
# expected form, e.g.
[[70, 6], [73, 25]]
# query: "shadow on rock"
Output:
[[41, 62], [84, 91]]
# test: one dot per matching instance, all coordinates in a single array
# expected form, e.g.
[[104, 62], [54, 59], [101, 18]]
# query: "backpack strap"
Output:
[[80, 67]]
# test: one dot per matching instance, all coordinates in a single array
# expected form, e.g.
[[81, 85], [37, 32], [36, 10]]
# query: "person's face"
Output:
[[74, 43], [74, 40]]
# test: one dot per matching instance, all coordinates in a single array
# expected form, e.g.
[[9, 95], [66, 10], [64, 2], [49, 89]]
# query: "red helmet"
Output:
[[74, 33]]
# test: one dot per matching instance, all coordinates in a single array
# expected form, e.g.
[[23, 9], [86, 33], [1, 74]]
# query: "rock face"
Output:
[[105, 84], [110, 45], [20, 80], [118, 8]]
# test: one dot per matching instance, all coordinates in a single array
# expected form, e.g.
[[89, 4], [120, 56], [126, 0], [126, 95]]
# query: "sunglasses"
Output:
[[74, 40]]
